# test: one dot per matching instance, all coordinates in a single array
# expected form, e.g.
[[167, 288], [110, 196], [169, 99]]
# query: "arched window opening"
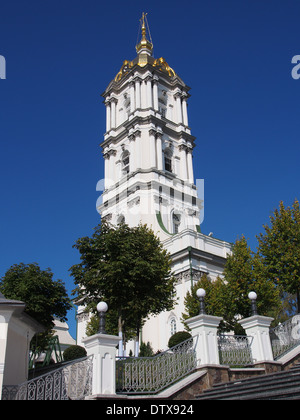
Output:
[[127, 104], [125, 163], [176, 218], [173, 326], [168, 160], [121, 219]]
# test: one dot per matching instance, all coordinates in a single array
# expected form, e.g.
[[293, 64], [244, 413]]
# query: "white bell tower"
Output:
[[148, 147], [148, 152]]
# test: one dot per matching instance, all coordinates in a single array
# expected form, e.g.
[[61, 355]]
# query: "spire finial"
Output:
[[142, 20], [144, 46]]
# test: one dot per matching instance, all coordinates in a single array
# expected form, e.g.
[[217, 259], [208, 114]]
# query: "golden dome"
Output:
[[144, 51]]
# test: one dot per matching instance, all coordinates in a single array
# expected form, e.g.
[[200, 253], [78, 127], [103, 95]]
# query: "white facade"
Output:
[[16, 330], [149, 175]]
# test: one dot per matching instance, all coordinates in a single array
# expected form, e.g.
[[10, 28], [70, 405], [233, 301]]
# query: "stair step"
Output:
[[270, 386]]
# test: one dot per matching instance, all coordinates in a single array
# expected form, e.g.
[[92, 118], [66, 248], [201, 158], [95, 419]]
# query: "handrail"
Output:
[[235, 350], [284, 337], [149, 375], [72, 381]]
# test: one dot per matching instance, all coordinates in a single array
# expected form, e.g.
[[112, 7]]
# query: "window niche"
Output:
[[168, 160], [176, 220], [125, 160]]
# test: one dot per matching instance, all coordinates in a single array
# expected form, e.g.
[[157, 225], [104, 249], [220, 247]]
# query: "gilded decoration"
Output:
[[144, 50], [143, 59]]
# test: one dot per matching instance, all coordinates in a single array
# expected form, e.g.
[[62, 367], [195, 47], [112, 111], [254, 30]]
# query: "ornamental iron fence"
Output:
[[284, 337], [149, 375], [235, 350], [70, 382]]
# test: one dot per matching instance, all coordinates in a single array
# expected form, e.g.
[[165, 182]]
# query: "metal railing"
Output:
[[284, 337], [70, 382], [234, 350], [149, 375]]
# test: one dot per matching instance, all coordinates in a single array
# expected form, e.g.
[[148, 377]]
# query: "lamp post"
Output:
[[253, 296], [204, 330], [102, 309], [201, 294]]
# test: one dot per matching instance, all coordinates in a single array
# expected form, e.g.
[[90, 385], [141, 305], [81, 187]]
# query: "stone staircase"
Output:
[[283, 385]]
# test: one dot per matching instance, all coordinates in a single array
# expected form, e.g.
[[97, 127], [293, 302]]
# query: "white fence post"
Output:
[[204, 328], [103, 347], [257, 329]]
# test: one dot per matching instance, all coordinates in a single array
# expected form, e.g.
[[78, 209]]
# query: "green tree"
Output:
[[214, 299], [129, 269], [146, 350], [243, 273], [279, 249], [45, 298], [228, 297]]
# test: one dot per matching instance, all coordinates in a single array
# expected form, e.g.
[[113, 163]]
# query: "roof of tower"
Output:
[[144, 51]]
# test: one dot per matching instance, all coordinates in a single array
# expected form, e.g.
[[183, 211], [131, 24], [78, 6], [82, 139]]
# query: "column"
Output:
[[108, 116], [159, 152], [113, 113], [4, 321], [183, 165], [132, 153], [143, 94], [149, 92], [257, 328], [155, 94], [152, 148], [137, 93], [106, 170], [204, 330], [184, 111], [190, 165], [178, 108], [112, 166], [132, 97], [137, 144]]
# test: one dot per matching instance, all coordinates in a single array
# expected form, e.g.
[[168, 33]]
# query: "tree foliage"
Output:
[[228, 297], [243, 273], [279, 249], [44, 297], [74, 352], [126, 267], [214, 298]]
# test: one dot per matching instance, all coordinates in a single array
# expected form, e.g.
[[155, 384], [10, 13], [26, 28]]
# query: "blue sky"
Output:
[[60, 55]]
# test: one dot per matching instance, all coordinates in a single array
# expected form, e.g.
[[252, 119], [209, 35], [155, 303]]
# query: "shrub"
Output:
[[178, 338], [145, 350], [74, 352]]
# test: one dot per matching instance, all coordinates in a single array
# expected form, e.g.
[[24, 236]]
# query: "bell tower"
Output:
[[148, 146], [149, 178]]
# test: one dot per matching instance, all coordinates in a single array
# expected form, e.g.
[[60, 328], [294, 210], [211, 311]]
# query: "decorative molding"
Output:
[[185, 276]]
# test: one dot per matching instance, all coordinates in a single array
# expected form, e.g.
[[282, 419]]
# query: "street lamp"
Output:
[[201, 294], [253, 296], [102, 309]]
